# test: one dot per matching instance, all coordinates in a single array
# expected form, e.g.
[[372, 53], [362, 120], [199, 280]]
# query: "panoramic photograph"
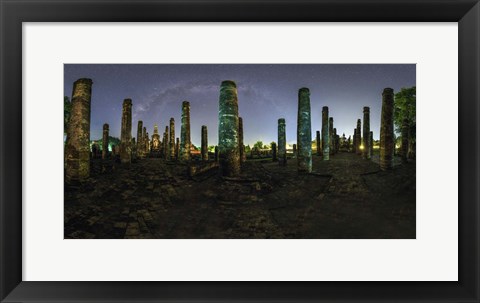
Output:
[[239, 151]]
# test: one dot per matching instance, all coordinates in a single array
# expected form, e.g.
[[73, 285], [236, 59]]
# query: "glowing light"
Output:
[[361, 146]]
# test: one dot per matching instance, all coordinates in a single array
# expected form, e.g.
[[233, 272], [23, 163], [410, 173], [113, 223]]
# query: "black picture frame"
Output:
[[14, 12]]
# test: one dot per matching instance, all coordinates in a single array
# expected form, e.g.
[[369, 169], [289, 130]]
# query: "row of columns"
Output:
[[230, 152]]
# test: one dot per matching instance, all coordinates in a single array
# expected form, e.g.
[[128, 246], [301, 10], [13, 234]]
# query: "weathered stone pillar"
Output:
[[319, 148], [105, 141], [354, 142], [140, 144], [405, 134], [330, 135], [126, 133], [204, 143], [177, 149], [371, 143], [304, 132], [185, 142], [294, 150], [274, 152], [282, 143], [216, 153], [387, 143], [366, 133], [77, 147], [171, 140], [241, 146], [335, 141], [228, 129], [325, 134], [359, 137], [147, 142], [166, 145]]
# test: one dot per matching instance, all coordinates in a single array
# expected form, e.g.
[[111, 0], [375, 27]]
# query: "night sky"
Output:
[[265, 94]]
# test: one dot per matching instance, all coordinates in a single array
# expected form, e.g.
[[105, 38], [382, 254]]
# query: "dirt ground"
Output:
[[344, 198]]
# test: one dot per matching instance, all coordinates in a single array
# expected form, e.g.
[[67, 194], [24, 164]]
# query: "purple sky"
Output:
[[266, 92]]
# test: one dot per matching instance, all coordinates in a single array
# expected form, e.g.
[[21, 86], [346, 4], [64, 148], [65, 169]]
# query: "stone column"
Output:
[[274, 152], [359, 137], [294, 150], [354, 142], [105, 141], [325, 134], [330, 135], [319, 145], [171, 140], [335, 141], [304, 132], [216, 153], [144, 141], [405, 134], [147, 142], [204, 143], [241, 146], [282, 143], [126, 133], [185, 142], [140, 145], [387, 143], [77, 147], [366, 133], [228, 145], [166, 144], [371, 143], [177, 149]]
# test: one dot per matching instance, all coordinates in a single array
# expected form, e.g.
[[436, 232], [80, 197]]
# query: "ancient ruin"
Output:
[[304, 132], [126, 133], [171, 140], [241, 146], [359, 146], [185, 142], [77, 147], [318, 143], [155, 144], [387, 143], [330, 136], [366, 133], [228, 145], [325, 134], [204, 150], [105, 141], [161, 186], [282, 143], [140, 143]]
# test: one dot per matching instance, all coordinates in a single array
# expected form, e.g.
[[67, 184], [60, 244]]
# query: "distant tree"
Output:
[[405, 108], [248, 149], [211, 148], [67, 110], [258, 145]]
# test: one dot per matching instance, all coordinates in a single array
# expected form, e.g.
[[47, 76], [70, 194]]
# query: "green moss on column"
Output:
[[228, 143], [282, 143], [304, 132]]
